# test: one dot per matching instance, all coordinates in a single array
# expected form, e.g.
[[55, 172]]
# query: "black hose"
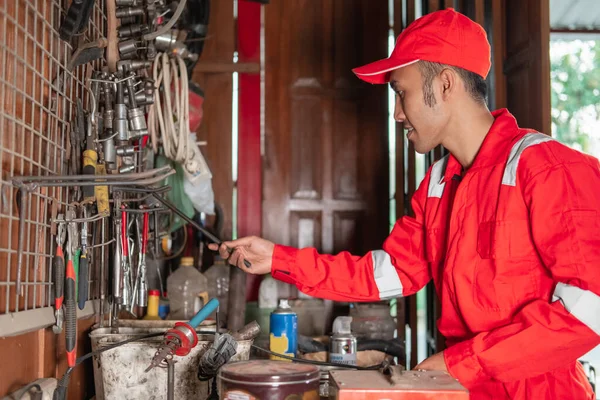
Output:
[[309, 345], [392, 347], [323, 363]]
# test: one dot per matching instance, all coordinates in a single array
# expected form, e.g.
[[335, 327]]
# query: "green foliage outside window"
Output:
[[575, 88]]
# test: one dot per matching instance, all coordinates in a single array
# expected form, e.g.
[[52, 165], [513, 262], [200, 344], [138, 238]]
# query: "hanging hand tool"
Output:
[[59, 275], [83, 273], [70, 292], [182, 338], [125, 259], [76, 19], [137, 119], [141, 282], [90, 160], [117, 278], [103, 205]]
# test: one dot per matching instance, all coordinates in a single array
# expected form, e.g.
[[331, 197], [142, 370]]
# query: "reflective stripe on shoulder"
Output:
[[510, 172], [582, 304], [436, 186], [386, 277]]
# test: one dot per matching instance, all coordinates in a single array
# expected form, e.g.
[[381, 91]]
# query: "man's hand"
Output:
[[254, 249], [434, 363]]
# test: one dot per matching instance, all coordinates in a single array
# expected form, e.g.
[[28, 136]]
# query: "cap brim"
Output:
[[378, 72]]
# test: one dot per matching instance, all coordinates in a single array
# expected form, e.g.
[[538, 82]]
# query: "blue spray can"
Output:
[[283, 338]]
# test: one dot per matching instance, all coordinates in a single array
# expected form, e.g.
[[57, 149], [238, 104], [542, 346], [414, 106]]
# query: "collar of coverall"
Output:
[[494, 148]]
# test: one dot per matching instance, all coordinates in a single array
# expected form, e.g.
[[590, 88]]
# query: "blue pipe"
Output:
[[204, 312]]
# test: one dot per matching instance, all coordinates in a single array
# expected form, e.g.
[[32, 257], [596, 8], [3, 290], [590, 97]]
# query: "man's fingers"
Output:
[[224, 251], [235, 257], [245, 241], [213, 246]]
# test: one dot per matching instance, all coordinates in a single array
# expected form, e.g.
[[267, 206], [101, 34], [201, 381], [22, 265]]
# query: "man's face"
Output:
[[423, 124]]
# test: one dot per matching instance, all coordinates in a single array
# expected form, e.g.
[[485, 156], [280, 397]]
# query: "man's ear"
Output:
[[448, 81]]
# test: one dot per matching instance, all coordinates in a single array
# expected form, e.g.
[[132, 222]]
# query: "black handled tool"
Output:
[[196, 225]]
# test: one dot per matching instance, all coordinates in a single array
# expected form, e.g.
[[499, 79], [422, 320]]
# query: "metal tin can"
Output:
[[283, 338], [268, 380], [342, 349]]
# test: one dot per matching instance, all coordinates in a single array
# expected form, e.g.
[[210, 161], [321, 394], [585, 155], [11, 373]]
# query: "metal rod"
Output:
[[157, 190], [102, 273], [141, 182], [196, 225], [22, 208], [97, 217], [133, 175], [143, 211], [101, 244], [170, 379], [156, 241]]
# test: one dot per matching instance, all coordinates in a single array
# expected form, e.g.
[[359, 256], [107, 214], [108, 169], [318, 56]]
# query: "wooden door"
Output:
[[527, 63], [325, 162]]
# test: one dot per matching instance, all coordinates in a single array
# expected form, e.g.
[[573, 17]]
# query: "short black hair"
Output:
[[475, 85]]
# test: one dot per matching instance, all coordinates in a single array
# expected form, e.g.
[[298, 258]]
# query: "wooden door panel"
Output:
[[348, 231], [346, 151], [305, 229], [325, 165], [306, 150]]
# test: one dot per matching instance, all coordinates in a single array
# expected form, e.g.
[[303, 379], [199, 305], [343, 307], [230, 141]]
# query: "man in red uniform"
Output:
[[507, 226]]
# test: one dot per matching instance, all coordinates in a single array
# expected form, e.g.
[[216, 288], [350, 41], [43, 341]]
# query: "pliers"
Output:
[[59, 274]]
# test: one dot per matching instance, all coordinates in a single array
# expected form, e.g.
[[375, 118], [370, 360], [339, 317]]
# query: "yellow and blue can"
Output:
[[283, 338]]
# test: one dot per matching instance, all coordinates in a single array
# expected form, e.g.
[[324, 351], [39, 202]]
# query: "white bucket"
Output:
[[119, 373]]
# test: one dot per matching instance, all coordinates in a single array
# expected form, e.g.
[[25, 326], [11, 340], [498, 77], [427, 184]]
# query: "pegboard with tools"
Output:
[[39, 91], [90, 140]]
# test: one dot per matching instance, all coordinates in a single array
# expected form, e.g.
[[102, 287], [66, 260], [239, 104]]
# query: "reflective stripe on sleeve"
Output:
[[386, 277], [582, 304]]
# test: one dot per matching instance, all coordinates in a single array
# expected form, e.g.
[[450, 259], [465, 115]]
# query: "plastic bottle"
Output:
[[185, 287], [153, 300], [218, 284], [268, 293]]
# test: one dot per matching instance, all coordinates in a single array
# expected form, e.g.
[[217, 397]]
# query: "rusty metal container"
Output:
[[410, 385], [268, 380], [119, 373]]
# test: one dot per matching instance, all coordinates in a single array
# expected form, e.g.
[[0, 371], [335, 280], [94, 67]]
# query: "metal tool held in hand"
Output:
[[196, 225]]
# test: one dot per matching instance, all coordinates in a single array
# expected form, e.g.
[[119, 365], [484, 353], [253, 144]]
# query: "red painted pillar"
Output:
[[249, 183]]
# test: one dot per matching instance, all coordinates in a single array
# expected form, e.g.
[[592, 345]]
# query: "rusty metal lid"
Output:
[[268, 372]]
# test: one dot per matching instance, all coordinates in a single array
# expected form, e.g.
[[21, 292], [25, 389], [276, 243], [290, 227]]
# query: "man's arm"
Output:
[[564, 204], [398, 269]]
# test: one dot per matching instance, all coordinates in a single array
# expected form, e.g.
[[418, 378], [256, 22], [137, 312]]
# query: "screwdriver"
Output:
[[103, 205], [90, 163]]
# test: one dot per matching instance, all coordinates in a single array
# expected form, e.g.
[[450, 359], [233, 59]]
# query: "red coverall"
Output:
[[513, 248]]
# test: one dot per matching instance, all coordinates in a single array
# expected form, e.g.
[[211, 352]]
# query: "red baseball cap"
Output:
[[445, 37]]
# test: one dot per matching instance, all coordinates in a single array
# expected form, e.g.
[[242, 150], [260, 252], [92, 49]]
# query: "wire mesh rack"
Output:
[[38, 95]]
